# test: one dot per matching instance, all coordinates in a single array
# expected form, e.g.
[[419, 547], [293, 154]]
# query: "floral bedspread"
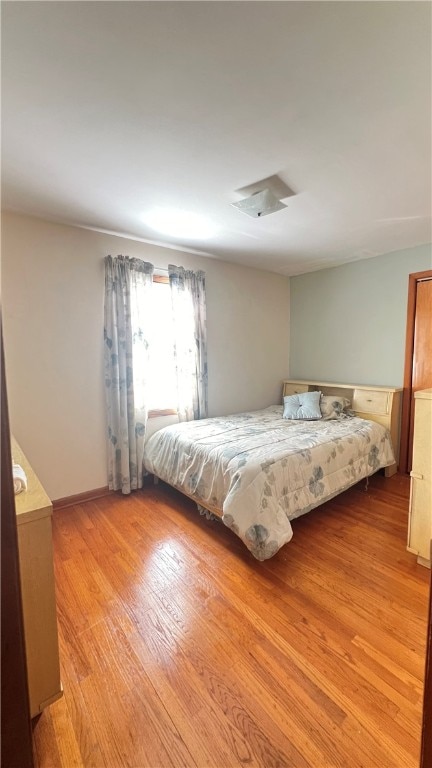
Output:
[[262, 470]]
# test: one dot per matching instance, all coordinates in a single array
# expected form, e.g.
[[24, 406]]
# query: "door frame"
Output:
[[16, 736], [414, 278], [426, 739]]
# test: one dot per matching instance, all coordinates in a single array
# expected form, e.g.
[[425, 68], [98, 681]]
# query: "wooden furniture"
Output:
[[33, 513], [16, 735], [420, 511], [380, 404]]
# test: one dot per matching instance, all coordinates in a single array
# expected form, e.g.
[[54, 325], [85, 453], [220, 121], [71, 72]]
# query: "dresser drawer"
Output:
[[370, 401], [294, 389]]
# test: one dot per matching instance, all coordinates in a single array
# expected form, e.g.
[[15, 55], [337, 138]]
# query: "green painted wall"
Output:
[[348, 323]]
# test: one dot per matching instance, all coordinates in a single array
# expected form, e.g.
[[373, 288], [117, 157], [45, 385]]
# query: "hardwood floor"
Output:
[[179, 649]]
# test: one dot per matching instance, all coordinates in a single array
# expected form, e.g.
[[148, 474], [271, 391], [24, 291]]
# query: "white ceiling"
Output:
[[112, 108]]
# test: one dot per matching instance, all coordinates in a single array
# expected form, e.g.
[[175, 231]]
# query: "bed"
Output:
[[258, 471]]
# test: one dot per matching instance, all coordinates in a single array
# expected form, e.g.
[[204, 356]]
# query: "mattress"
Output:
[[262, 471]]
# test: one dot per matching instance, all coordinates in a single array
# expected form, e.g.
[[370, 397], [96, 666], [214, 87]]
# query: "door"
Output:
[[426, 742], [418, 357]]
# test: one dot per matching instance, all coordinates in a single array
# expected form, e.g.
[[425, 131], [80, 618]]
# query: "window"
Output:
[[162, 390], [154, 311]]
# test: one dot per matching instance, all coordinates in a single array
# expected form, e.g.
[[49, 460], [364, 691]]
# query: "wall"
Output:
[[52, 295], [348, 323]]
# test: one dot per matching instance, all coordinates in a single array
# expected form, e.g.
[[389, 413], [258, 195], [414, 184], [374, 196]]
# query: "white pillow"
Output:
[[305, 405]]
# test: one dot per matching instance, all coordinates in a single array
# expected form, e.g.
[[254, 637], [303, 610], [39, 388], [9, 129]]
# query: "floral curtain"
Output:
[[126, 320], [190, 341]]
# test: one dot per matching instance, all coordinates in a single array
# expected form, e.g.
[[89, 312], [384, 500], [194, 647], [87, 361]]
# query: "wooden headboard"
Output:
[[381, 404]]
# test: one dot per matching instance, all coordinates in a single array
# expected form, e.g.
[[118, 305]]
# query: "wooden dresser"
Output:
[[420, 511], [34, 512], [380, 404]]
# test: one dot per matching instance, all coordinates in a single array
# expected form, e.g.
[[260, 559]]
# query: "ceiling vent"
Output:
[[264, 197]]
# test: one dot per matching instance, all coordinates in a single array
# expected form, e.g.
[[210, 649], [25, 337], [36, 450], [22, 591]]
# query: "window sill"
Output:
[[167, 412]]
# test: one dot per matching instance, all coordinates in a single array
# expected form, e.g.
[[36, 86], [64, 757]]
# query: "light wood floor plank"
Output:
[[178, 649]]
